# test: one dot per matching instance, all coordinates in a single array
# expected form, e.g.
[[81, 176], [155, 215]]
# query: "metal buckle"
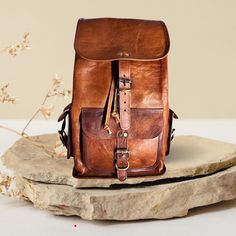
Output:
[[128, 81], [122, 151], [125, 168]]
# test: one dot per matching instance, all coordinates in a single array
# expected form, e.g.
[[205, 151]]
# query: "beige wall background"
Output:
[[202, 58]]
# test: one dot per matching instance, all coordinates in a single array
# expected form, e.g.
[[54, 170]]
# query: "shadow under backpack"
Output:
[[119, 121]]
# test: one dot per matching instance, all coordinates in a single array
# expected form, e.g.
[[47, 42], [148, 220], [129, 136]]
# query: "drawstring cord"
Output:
[[112, 98], [115, 113]]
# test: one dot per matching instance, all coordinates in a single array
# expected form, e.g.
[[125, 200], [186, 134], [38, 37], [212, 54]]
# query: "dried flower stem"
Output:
[[46, 147], [30, 120], [55, 90], [13, 50], [52, 92], [46, 111], [35, 114], [8, 185], [5, 97], [13, 131]]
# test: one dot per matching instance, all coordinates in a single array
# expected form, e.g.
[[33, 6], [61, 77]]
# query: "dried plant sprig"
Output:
[[5, 97], [56, 89], [47, 148], [8, 185], [47, 110], [14, 50]]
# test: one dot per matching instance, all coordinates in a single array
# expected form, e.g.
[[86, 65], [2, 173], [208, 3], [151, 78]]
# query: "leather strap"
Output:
[[122, 152], [122, 155], [172, 115], [124, 94], [66, 138]]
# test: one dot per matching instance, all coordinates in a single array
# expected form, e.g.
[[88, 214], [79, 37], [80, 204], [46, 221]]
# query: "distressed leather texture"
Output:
[[112, 39], [119, 121]]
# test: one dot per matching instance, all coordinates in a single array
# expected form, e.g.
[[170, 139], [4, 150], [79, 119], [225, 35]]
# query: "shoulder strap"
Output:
[[65, 137]]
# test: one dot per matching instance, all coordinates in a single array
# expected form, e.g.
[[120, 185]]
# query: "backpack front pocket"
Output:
[[144, 141]]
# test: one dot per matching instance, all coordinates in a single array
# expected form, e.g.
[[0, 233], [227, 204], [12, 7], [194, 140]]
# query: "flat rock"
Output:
[[155, 201], [190, 156], [199, 172]]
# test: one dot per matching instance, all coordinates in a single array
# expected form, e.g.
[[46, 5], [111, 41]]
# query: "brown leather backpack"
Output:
[[120, 123]]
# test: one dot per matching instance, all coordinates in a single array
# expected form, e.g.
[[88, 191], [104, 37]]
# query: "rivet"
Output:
[[124, 54]]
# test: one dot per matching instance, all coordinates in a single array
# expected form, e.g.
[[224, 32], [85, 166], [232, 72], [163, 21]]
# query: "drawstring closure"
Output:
[[115, 113], [112, 99]]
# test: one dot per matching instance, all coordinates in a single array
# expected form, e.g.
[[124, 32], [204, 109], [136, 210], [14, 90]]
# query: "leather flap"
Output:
[[145, 123], [117, 39]]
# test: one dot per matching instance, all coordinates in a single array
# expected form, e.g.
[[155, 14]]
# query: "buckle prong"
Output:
[[128, 81]]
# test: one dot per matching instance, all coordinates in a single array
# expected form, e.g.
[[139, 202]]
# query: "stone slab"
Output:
[[190, 156], [156, 201]]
